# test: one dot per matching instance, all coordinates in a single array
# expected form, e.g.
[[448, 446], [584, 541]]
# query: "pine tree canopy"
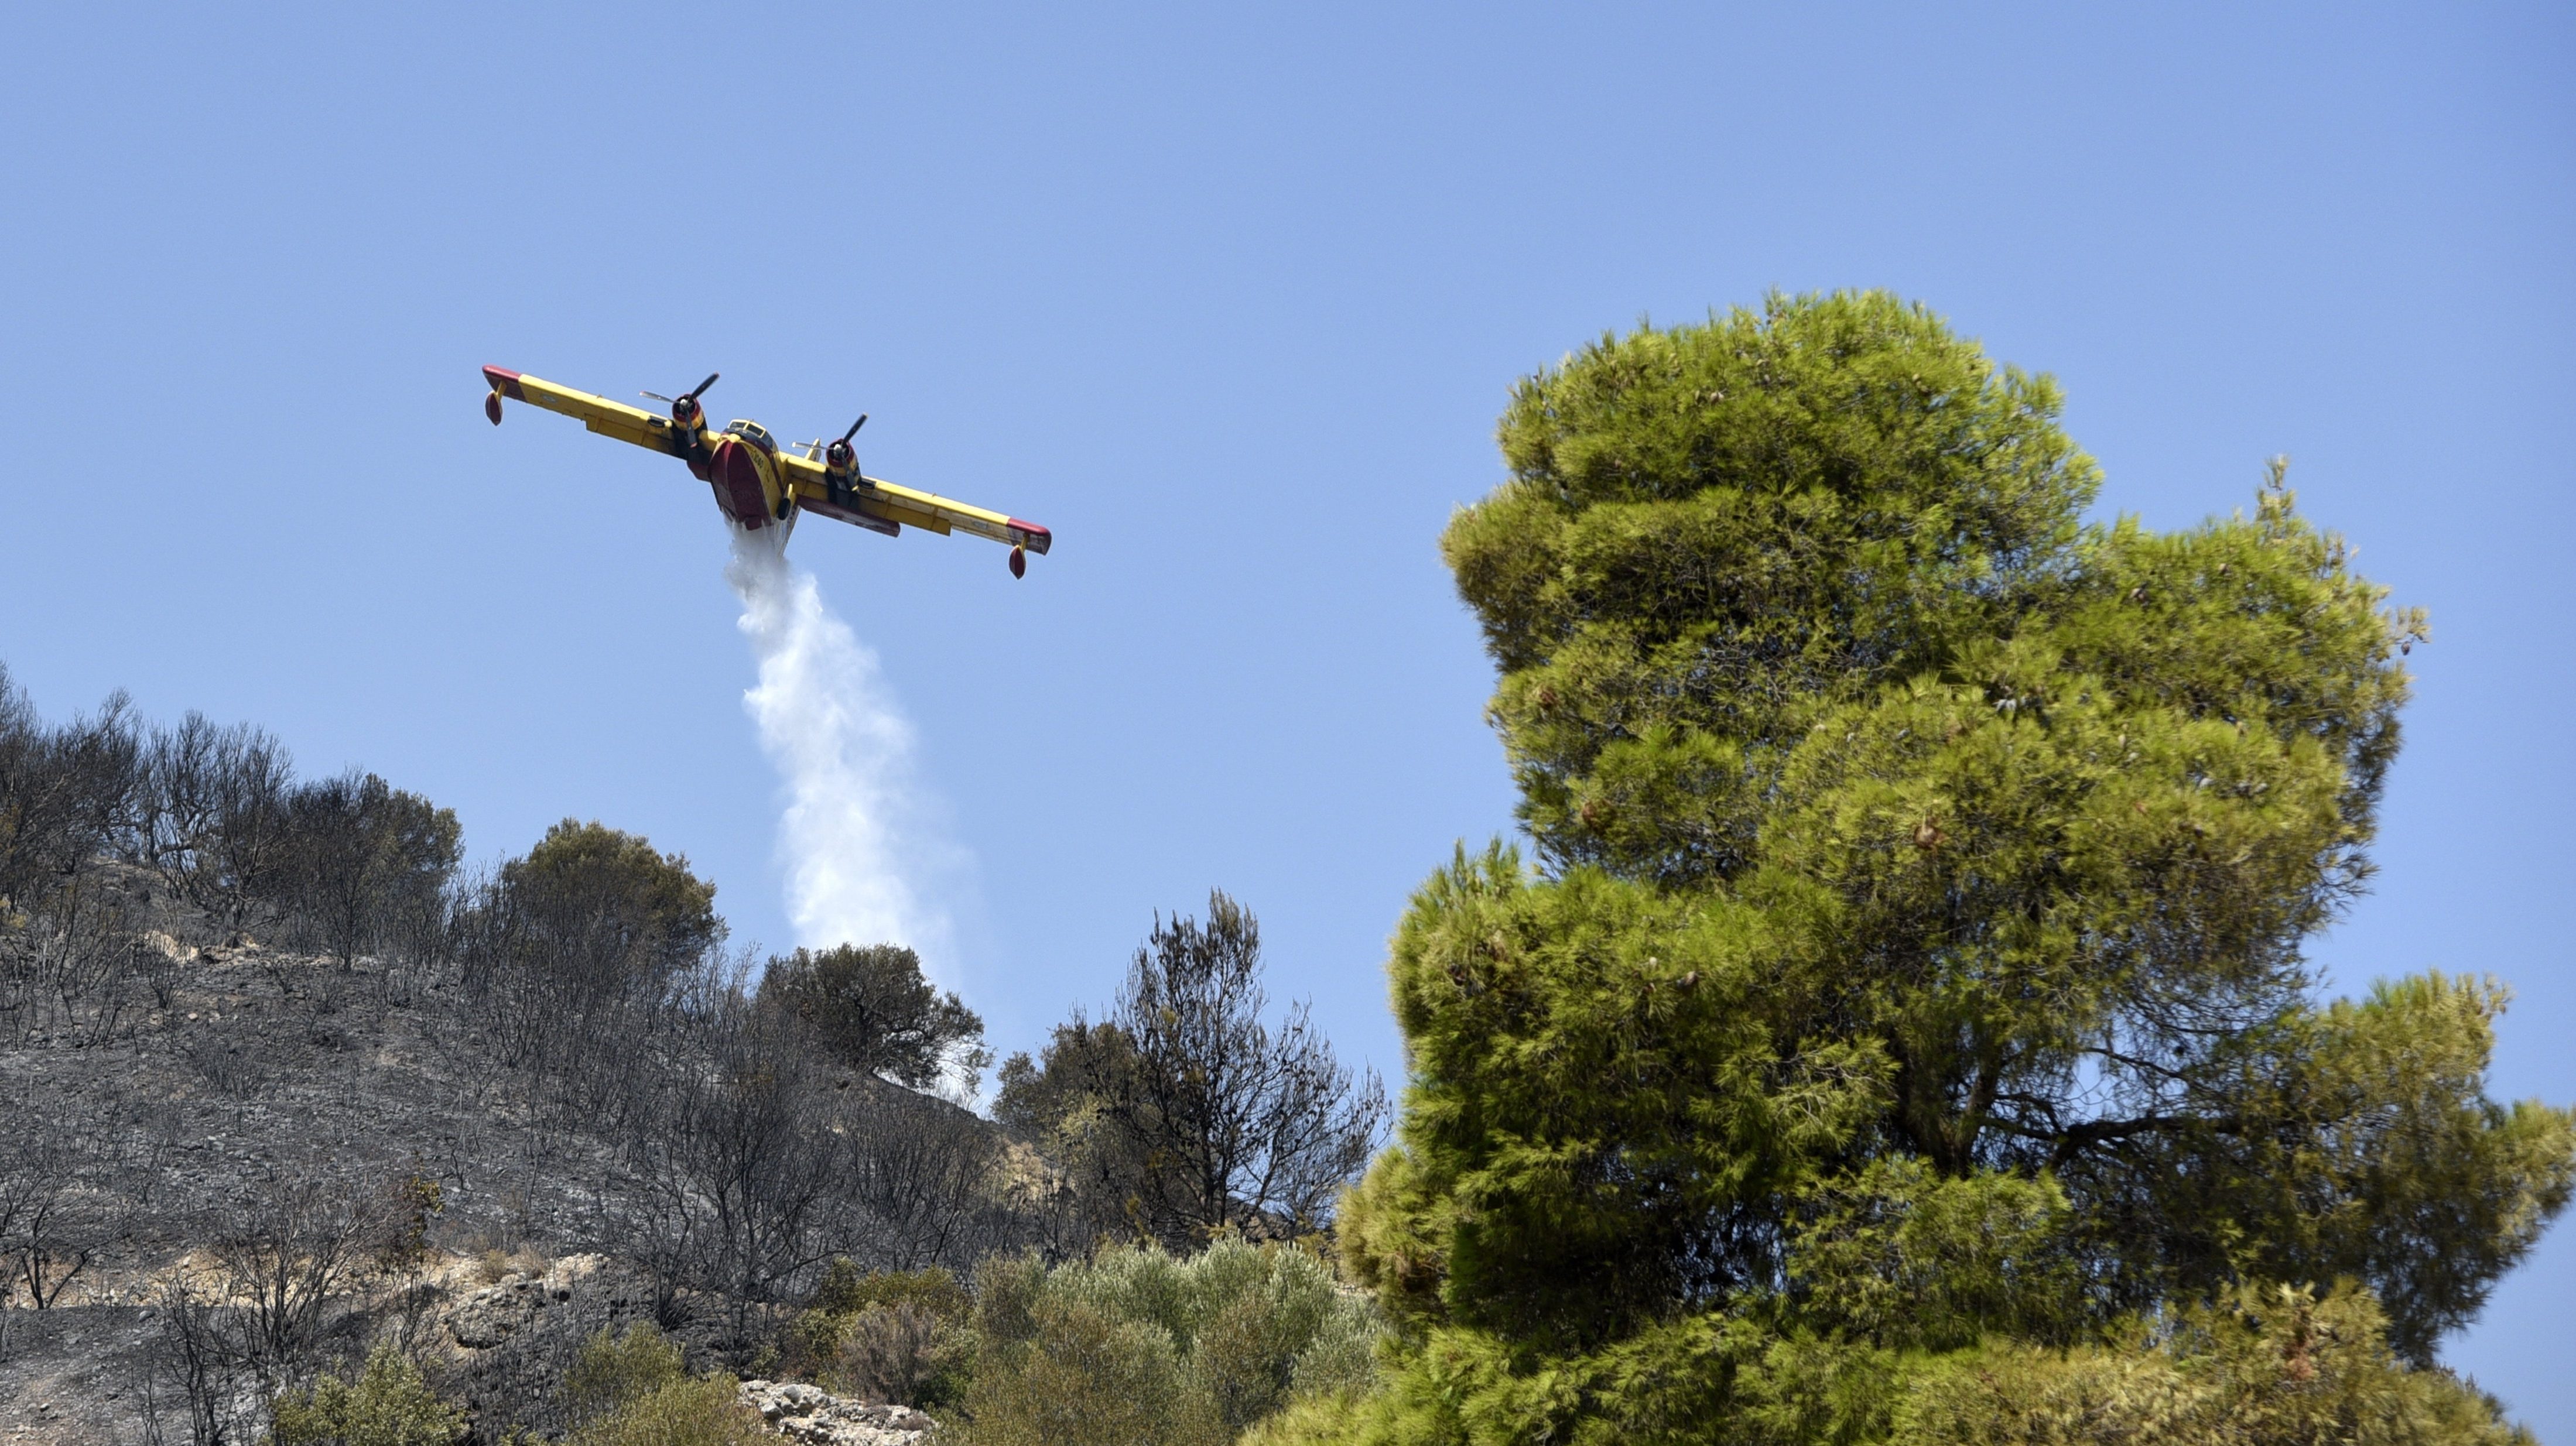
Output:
[[1913, 960]]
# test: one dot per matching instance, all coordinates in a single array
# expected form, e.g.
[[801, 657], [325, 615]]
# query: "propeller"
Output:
[[841, 454], [684, 407]]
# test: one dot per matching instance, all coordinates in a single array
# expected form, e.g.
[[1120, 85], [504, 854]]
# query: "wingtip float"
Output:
[[758, 485]]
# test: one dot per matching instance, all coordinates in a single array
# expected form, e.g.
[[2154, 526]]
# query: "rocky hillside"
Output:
[[491, 1204]]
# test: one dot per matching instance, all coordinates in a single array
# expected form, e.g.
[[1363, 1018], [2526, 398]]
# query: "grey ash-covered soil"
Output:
[[73, 1374], [266, 1059], [266, 1063]]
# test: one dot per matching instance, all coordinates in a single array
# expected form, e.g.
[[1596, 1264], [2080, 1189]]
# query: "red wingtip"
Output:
[[1039, 539], [506, 382]]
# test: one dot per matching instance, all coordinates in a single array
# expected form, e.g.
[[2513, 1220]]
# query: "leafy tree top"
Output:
[[873, 1010], [1728, 530], [1927, 874], [617, 895]]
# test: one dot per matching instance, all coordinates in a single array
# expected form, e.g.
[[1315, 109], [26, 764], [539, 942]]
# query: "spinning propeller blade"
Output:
[[687, 399], [691, 394]]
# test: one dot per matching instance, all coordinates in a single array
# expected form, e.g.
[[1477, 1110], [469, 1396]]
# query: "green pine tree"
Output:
[[1912, 967]]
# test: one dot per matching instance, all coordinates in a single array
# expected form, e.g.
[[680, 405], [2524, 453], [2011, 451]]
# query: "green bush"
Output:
[[1083, 1375], [888, 1335], [614, 1370], [387, 1405], [681, 1412], [1137, 1345], [900, 1353], [2269, 1365], [847, 1290]]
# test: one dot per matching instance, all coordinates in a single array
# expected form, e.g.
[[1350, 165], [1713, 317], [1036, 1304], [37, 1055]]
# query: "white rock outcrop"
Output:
[[493, 1314], [813, 1415]]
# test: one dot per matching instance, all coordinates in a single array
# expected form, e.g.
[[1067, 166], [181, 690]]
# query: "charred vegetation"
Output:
[[291, 1086]]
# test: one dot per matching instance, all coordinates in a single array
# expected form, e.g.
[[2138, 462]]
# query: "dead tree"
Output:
[[293, 1254], [1186, 1113], [924, 1173], [363, 854], [61, 1202]]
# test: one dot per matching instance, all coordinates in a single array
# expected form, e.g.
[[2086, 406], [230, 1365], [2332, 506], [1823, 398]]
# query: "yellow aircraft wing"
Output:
[[887, 502], [599, 414]]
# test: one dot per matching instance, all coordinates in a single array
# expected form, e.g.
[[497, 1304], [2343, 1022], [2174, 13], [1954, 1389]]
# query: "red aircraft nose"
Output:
[[737, 482]]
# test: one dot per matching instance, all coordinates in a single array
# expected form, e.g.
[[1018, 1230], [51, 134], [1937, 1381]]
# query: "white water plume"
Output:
[[853, 840]]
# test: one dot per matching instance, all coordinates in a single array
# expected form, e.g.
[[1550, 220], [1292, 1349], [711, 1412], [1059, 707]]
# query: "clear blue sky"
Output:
[[1229, 297]]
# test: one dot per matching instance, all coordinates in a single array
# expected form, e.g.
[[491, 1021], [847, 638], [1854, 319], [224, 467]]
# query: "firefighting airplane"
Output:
[[756, 484]]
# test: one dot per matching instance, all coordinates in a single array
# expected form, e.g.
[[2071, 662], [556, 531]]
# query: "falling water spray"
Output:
[[858, 852]]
